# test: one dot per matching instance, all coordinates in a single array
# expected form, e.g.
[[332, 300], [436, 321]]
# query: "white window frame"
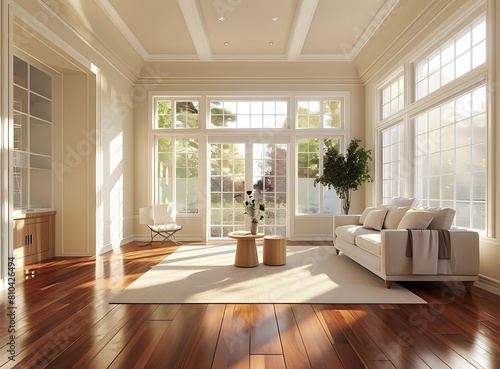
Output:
[[463, 84]]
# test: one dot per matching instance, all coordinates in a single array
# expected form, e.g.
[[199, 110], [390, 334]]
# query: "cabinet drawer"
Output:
[[32, 237]]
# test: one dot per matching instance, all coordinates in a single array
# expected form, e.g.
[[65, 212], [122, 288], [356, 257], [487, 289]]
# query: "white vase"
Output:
[[253, 227]]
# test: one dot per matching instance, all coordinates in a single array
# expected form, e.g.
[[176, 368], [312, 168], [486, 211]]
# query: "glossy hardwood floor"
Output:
[[63, 319]]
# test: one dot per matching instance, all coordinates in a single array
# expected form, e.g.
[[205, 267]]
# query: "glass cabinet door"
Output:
[[32, 127]]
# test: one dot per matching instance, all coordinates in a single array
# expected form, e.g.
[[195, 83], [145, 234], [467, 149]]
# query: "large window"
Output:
[[393, 97], [462, 53], [443, 139], [172, 113], [314, 198], [248, 114], [243, 144], [319, 114], [451, 157], [318, 120], [177, 173], [393, 177]]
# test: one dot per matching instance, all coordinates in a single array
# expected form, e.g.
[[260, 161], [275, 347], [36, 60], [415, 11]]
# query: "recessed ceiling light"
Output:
[[275, 19], [226, 43], [222, 19], [271, 43]]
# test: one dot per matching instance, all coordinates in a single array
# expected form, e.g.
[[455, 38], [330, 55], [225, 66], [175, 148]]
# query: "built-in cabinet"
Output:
[[34, 220], [34, 237], [32, 112]]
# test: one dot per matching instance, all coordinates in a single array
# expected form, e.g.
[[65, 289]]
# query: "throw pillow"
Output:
[[365, 213], [416, 219], [394, 216], [404, 201], [375, 219], [443, 217]]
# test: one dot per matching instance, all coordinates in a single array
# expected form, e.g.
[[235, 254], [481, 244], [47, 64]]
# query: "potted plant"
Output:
[[345, 173]]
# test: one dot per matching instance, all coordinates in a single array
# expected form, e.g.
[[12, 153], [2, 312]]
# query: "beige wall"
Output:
[[93, 138], [74, 161], [384, 54], [115, 183]]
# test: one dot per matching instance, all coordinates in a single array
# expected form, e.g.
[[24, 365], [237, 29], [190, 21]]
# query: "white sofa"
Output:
[[382, 247]]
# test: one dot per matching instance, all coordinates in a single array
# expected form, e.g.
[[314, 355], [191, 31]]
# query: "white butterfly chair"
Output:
[[161, 221]]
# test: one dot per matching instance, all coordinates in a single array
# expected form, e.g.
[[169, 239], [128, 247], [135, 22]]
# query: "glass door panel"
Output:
[[269, 179], [227, 180], [232, 166]]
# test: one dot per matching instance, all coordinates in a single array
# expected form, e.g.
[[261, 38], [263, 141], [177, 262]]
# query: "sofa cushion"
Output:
[[394, 216], [375, 219], [369, 242], [404, 201], [349, 232], [443, 217], [365, 212], [416, 219]]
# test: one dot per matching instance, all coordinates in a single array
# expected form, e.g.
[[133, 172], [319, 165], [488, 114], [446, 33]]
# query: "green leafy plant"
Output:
[[345, 173]]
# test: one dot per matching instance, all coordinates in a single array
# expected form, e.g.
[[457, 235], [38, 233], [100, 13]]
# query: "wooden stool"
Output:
[[274, 250]]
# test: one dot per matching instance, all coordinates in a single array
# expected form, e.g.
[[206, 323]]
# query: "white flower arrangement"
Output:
[[253, 208]]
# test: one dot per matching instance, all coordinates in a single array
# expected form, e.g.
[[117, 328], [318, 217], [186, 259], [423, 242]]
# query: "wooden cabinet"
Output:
[[34, 237]]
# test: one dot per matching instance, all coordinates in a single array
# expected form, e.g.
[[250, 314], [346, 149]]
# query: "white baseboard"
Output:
[[488, 284]]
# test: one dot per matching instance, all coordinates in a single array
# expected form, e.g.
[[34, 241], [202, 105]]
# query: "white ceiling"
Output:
[[165, 30]]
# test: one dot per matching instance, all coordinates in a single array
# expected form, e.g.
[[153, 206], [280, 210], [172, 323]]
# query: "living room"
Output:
[[107, 87]]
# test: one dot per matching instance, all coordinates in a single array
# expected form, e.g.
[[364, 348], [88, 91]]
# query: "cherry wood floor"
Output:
[[63, 320]]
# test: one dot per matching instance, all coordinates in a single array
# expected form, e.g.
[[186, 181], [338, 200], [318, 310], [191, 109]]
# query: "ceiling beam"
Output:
[[192, 15], [302, 22]]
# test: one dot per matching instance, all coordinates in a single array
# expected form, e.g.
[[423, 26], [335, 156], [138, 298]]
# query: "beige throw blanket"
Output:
[[425, 247]]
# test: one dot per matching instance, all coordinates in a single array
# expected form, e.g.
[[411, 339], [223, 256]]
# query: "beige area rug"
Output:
[[313, 274]]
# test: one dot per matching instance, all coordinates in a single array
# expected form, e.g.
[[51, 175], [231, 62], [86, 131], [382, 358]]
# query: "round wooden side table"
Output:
[[274, 250], [246, 249]]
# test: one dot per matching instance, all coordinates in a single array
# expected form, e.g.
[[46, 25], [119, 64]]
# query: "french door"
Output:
[[239, 167]]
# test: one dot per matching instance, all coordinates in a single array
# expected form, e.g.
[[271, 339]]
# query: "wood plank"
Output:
[[361, 341], [264, 334], [165, 312], [432, 355], [294, 350], [267, 362], [426, 338], [346, 352], [111, 350], [476, 355], [319, 349], [139, 348], [233, 347], [203, 347], [175, 344], [397, 352]]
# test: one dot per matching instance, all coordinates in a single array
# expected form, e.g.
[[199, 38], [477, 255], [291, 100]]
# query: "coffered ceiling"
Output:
[[288, 30]]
